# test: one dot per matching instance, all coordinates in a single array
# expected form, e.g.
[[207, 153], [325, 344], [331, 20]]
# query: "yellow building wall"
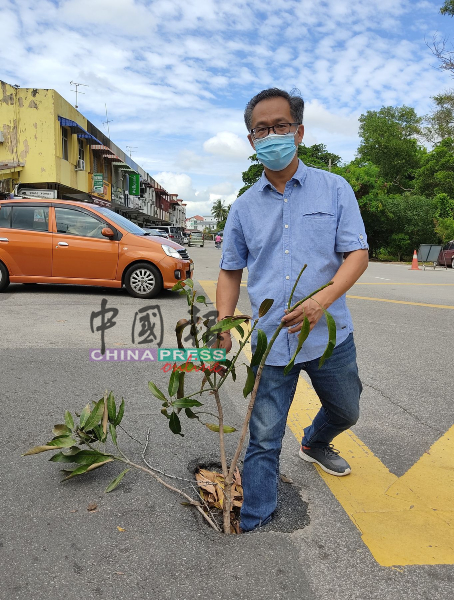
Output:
[[26, 118], [32, 135]]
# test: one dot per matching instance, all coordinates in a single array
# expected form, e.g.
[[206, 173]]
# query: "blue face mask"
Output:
[[276, 152]]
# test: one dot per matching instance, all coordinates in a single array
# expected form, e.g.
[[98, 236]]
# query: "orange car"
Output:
[[59, 241]]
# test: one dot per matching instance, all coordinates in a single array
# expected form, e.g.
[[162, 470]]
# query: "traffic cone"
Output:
[[414, 262]]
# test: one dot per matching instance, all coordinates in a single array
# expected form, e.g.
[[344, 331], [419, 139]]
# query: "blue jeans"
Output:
[[338, 386]]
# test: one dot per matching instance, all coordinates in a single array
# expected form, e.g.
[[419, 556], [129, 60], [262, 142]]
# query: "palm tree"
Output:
[[219, 210]]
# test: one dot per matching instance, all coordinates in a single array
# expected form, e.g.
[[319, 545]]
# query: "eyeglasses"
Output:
[[280, 129]]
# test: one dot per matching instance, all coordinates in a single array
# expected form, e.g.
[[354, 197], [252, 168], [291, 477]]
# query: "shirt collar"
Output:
[[299, 176]]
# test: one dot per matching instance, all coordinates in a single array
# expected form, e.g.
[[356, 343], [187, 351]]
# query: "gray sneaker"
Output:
[[328, 458]]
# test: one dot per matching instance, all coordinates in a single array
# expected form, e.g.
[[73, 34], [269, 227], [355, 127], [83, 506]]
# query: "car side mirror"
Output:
[[107, 232]]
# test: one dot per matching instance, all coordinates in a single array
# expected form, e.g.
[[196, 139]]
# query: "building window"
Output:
[[64, 143], [106, 169], [81, 150]]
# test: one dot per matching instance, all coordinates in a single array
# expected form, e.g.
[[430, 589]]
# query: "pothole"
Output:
[[292, 511]]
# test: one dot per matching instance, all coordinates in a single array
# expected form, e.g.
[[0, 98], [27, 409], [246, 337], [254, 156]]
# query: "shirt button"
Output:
[[287, 277], [286, 227], [361, 237], [294, 185], [286, 252], [285, 199]]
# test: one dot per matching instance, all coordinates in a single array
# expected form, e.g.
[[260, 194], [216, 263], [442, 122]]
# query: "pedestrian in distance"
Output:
[[217, 241], [294, 215]]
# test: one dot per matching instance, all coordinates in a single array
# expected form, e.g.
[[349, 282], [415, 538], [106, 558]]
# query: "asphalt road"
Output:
[[52, 547]]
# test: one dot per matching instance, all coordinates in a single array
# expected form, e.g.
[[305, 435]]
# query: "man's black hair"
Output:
[[294, 99]]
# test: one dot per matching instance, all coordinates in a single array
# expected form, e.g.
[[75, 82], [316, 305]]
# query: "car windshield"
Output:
[[122, 221]]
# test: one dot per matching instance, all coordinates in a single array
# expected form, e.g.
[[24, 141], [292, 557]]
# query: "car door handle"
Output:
[[62, 244], [4, 240]]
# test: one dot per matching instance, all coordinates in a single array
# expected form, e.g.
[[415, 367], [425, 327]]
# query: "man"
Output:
[[292, 216]]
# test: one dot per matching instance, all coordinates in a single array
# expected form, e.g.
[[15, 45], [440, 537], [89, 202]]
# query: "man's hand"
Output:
[[224, 341], [311, 309]]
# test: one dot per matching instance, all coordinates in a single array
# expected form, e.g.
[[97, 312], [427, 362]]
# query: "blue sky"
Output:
[[176, 74]]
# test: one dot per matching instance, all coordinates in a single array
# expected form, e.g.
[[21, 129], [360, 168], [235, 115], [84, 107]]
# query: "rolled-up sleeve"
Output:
[[350, 234], [234, 251]]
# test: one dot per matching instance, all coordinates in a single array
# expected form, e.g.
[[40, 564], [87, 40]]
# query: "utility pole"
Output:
[[77, 89], [106, 122], [131, 149]]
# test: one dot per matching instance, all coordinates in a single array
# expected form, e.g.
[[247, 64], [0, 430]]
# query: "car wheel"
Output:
[[4, 277], [143, 280], [452, 262]]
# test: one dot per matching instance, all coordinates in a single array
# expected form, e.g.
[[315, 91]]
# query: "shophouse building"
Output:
[[48, 148]]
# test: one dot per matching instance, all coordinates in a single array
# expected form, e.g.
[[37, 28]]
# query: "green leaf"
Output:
[[176, 287], [165, 413], [190, 414], [62, 441], [113, 433], [227, 324], [121, 412], [156, 392], [302, 337], [84, 416], [113, 484], [249, 385], [60, 457], [265, 307], [83, 457], [85, 468], [111, 408], [262, 344], [214, 427], [331, 338], [201, 299], [69, 420], [61, 430], [174, 381], [186, 403], [174, 423], [95, 416], [240, 330], [189, 283]]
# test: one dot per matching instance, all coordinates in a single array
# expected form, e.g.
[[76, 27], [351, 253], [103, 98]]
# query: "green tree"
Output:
[[440, 123], [445, 230], [370, 191], [413, 216], [448, 8], [388, 141], [444, 206], [219, 211], [436, 175]]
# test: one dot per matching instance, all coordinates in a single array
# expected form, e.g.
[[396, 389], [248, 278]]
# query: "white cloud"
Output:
[[228, 145]]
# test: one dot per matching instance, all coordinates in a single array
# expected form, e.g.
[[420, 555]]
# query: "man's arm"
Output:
[[227, 294], [349, 272]]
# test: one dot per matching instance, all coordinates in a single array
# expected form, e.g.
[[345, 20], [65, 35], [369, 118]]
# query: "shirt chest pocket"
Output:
[[319, 228]]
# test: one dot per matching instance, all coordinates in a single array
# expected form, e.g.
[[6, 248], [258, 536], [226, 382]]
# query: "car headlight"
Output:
[[171, 251]]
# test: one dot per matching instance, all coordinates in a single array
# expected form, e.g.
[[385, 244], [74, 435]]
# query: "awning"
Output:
[[123, 167], [79, 130]]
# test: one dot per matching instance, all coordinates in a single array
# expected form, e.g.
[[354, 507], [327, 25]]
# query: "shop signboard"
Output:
[[134, 184], [98, 183]]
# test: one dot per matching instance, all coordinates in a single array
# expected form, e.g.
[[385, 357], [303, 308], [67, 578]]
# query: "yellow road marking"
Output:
[[401, 302], [406, 520]]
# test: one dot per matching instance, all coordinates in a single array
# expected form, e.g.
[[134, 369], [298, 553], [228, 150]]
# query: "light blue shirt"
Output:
[[314, 221]]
